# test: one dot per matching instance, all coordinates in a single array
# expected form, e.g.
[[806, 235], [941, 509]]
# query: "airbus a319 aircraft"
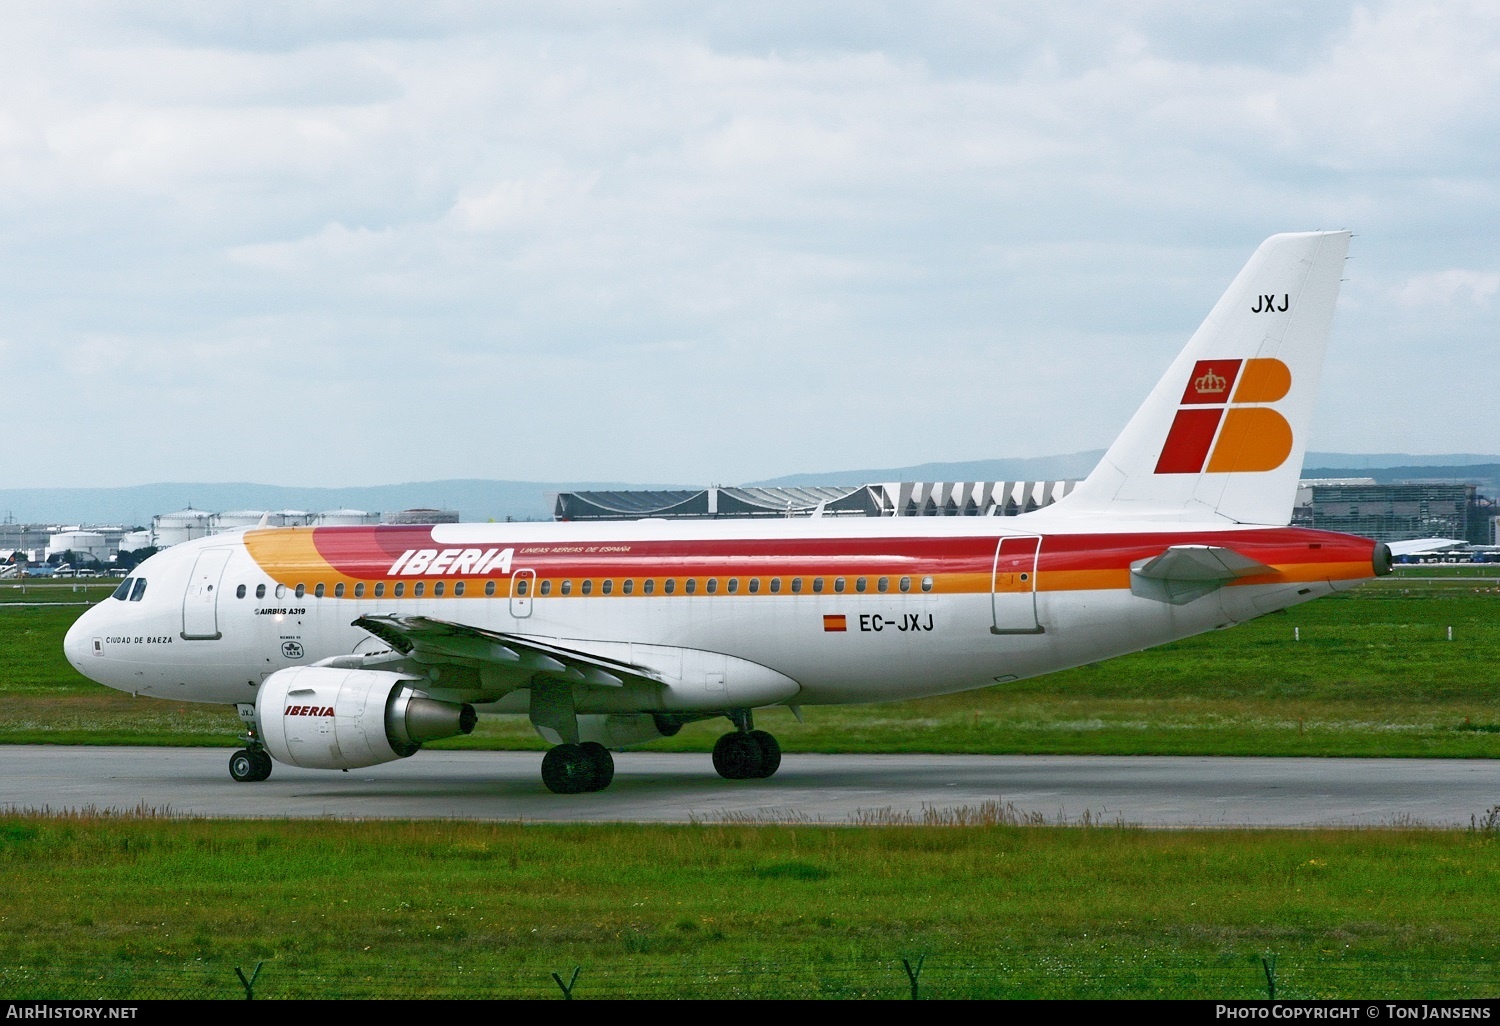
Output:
[[345, 647]]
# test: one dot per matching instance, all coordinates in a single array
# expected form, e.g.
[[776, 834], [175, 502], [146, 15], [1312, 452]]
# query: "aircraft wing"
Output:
[[1185, 572], [428, 640]]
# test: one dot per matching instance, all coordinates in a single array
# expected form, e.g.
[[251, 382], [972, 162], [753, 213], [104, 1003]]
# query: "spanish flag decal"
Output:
[[835, 622]]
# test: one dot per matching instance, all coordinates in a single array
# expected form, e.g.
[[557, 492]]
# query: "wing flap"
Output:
[[428, 640]]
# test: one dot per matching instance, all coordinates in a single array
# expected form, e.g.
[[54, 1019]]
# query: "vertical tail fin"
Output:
[[1223, 434]]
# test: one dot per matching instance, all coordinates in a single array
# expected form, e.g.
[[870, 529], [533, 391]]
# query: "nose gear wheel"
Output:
[[249, 765]]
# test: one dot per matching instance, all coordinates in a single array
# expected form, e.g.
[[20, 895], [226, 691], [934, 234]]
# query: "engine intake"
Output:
[[322, 717]]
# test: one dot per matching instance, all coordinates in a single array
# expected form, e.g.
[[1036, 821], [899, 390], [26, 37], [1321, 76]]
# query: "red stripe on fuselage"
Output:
[[369, 552]]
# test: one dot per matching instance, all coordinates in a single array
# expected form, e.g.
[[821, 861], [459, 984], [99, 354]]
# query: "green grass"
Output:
[[58, 592], [1373, 675], [121, 907]]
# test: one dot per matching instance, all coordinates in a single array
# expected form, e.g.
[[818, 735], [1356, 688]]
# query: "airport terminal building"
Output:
[[894, 499], [1362, 506], [1397, 512]]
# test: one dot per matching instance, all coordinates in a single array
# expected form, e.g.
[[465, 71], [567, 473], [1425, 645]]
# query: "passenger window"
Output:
[[489, 587], [300, 591], [754, 585], [546, 587], [927, 584], [123, 591], [588, 587], [713, 585], [734, 585], [648, 587], [400, 588], [238, 592], [607, 587], [418, 588], [281, 591], [775, 585], [796, 585], [380, 590], [359, 590], [838, 585], [318, 590], [520, 585], [437, 589], [628, 587], [860, 584], [670, 586], [338, 590], [691, 585], [458, 587], [567, 587], [817, 585], [884, 584], [906, 584], [139, 589], [260, 591]]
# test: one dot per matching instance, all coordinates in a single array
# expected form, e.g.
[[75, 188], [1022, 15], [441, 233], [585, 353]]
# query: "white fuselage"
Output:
[[838, 644]]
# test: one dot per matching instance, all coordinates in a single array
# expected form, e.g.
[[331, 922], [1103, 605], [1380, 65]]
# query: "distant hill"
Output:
[[474, 500], [1078, 464], [527, 500], [1396, 460], [1031, 468], [1485, 475]]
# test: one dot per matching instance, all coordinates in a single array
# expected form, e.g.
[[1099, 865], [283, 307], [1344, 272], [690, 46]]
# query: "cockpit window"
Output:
[[123, 591], [139, 589]]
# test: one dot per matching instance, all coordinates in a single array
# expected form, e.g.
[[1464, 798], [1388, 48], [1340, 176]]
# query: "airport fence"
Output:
[[1228, 978]]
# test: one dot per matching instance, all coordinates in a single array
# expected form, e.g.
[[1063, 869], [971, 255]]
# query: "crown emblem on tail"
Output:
[[1210, 383]]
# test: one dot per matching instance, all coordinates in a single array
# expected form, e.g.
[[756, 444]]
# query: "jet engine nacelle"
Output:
[[321, 717]]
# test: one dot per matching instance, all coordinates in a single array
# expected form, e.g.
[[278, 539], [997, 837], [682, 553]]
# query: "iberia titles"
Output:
[[468, 562]]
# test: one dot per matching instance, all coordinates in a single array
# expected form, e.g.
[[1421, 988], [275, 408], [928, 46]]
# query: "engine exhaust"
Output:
[[412, 719]]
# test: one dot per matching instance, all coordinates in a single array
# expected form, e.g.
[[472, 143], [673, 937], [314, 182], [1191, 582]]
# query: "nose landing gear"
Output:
[[250, 764]]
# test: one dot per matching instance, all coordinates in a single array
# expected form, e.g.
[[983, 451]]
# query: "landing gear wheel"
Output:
[[603, 763], [737, 756], [574, 769], [770, 753], [247, 766]]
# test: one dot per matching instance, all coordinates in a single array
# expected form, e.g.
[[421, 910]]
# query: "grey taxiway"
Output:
[[658, 787]]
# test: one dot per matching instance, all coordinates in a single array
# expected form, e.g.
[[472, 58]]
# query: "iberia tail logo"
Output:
[[1220, 425]]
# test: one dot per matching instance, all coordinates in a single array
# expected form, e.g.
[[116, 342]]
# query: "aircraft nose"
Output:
[[78, 643]]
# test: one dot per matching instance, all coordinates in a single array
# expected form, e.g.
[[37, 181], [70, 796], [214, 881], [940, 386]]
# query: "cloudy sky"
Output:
[[335, 244]]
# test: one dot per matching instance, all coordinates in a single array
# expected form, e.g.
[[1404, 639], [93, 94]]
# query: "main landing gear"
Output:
[[574, 769], [746, 753], [250, 764], [253, 762], [742, 754]]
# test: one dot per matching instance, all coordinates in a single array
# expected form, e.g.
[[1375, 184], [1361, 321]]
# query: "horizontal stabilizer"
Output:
[[1187, 572], [1200, 563]]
